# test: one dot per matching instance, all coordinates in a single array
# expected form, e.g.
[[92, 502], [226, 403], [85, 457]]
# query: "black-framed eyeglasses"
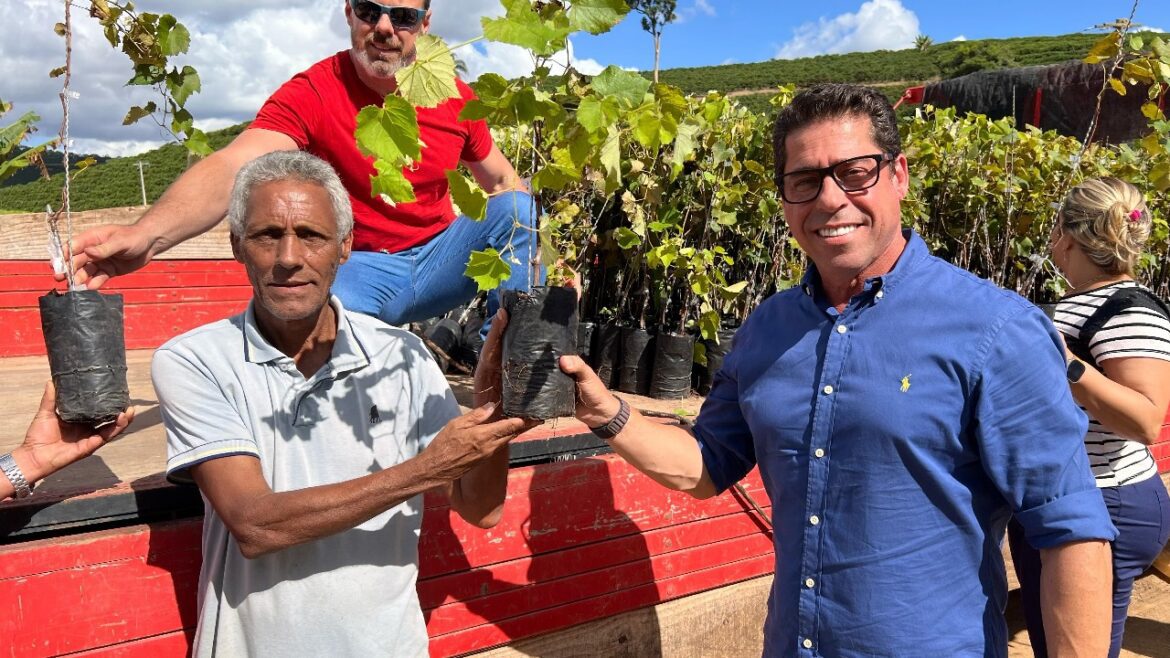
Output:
[[403, 18], [852, 175]]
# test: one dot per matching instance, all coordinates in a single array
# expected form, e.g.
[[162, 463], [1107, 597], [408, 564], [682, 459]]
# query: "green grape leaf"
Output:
[[173, 38], [647, 129], [523, 26], [626, 238], [597, 16], [183, 83], [391, 184], [611, 159], [590, 115], [621, 84], [390, 132], [430, 80], [197, 143], [488, 269], [474, 110], [709, 325], [136, 113], [470, 197]]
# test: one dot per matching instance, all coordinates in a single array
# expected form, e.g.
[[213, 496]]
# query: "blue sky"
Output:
[[244, 50], [718, 31]]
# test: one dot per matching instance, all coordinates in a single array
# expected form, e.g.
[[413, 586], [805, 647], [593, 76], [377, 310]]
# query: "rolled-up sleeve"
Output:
[[1031, 434]]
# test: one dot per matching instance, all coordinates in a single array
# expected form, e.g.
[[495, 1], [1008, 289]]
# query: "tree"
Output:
[[923, 43], [656, 14], [971, 57]]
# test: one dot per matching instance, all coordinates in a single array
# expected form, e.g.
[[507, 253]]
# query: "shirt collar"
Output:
[[348, 353], [915, 250]]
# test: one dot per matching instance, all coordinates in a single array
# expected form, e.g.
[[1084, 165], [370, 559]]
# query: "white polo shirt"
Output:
[[224, 390]]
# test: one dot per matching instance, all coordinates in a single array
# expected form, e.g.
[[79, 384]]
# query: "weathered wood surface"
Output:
[[26, 237]]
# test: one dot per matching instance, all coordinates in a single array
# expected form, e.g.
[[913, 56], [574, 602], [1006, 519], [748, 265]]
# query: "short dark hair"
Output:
[[835, 101]]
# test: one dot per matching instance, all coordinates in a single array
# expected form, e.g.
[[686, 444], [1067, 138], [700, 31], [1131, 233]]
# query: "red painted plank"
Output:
[[489, 635], [534, 597], [185, 293], [624, 503], [472, 583], [168, 645], [41, 267], [146, 325], [141, 584]]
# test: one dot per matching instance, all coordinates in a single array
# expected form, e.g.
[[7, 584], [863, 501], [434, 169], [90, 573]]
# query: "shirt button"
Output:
[[814, 519], [880, 294], [810, 583], [807, 644], [819, 453], [842, 329], [828, 390]]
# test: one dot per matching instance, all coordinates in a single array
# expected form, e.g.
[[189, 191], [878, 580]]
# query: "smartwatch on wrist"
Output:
[[615, 424], [1075, 370]]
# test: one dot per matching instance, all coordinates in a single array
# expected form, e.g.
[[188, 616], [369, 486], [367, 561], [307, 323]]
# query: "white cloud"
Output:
[[877, 25], [961, 37], [242, 50], [513, 61], [695, 9]]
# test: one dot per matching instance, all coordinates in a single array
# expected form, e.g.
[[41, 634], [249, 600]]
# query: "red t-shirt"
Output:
[[318, 109]]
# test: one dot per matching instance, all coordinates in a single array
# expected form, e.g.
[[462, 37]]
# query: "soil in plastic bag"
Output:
[[636, 359], [87, 355], [542, 326], [705, 375], [606, 351], [585, 341], [673, 356]]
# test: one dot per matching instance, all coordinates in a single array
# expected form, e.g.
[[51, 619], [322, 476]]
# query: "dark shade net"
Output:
[[1067, 100]]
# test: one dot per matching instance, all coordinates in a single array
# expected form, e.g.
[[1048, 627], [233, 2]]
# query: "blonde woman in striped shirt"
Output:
[[1117, 335]]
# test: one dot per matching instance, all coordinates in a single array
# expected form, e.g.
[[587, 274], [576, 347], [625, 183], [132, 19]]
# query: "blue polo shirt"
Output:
[[895, 438]]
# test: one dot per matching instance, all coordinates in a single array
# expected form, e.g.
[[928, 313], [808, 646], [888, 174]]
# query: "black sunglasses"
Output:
[[405, 18], [852, 175]]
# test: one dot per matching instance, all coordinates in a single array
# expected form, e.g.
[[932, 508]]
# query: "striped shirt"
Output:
[[1135, 331]]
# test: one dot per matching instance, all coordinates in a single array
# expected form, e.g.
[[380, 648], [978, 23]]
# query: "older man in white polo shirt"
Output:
[[311, 433]]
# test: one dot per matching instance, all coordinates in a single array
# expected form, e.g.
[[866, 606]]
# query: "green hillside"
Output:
[[115, 183]]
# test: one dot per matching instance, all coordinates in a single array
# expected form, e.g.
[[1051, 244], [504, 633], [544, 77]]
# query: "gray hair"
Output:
[[288, 165]]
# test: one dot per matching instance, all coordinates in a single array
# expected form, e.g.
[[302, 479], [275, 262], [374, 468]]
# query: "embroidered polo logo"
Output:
[[906, 383], [375, 418]]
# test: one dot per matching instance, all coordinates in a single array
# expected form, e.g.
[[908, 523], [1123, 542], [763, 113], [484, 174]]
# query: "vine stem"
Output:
[[67, 207]]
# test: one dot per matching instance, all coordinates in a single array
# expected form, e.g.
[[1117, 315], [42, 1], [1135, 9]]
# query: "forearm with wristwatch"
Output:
[[16, 467]]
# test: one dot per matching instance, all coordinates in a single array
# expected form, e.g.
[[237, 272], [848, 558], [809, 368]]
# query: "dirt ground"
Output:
[[142, 452]]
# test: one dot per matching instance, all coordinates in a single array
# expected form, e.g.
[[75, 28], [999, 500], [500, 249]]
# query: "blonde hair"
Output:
[[1109, 219]]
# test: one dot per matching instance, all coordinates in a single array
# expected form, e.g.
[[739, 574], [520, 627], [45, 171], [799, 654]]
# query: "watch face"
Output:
[[1075, 370]]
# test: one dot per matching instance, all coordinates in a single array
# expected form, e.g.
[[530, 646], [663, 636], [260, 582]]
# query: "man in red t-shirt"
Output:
[[408, 260]]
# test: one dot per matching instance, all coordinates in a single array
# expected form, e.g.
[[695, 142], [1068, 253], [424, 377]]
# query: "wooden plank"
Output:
[[103, 589], [472, 583], [622, 502], [176, 644], [181, 294], [25, 236], [726, 622], [41, 267], [543, 621], [644, 570]]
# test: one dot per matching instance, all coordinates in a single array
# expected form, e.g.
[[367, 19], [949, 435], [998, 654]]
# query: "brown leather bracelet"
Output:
[[615, 424]]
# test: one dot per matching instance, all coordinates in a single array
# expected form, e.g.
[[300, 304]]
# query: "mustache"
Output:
[[384, 41]]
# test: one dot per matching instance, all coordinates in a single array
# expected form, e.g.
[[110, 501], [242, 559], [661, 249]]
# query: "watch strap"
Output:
[[12, 471], [615, 424]]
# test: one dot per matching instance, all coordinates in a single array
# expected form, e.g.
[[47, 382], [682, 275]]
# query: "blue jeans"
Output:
[[1141, 512], [427, 281]]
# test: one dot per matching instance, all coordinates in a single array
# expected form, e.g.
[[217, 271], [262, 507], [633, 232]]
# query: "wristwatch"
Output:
[[12, 471], [1074, 370], [615, 424]]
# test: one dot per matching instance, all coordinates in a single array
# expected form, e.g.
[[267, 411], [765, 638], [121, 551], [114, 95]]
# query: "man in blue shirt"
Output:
[[900, 410]]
